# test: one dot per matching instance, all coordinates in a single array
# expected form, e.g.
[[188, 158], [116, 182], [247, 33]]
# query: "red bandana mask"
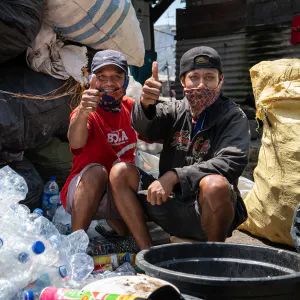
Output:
[[201, 98]]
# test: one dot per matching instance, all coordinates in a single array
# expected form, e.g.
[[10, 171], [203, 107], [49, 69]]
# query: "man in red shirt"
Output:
[[100, 135]]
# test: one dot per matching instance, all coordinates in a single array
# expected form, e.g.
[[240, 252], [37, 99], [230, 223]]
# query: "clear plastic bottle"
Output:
[[36, 214], [50, 198], [27, 295]]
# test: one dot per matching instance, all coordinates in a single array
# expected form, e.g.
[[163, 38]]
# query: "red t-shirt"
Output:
[[110, 138]]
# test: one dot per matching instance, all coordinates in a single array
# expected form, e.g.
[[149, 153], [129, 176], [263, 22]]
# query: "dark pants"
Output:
[[177, 216]]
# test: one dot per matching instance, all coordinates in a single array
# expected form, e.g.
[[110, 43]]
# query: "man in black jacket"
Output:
[[205, 150]]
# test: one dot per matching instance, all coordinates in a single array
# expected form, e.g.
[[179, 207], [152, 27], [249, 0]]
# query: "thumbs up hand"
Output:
[[151, 88], [90, 98]]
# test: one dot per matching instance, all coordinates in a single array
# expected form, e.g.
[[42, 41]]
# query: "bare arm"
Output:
[[78, 129]]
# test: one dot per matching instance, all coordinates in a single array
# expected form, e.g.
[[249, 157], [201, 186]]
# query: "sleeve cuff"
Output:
[[186, 189]]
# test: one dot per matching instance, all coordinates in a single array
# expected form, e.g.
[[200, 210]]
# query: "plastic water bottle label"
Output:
[[50, 200]]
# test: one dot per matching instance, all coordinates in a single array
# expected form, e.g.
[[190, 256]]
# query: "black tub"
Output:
[[225, 271]]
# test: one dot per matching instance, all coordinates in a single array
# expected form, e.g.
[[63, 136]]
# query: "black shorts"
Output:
[[178, 217]]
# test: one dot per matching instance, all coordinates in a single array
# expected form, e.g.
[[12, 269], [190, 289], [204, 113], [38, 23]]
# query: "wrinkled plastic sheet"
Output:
[[20, 22], [147, 162], [26, 122]]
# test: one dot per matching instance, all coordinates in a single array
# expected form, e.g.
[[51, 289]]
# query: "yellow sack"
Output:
[[276, 192]]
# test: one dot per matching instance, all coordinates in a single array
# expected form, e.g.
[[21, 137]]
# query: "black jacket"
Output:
[[221, 147]]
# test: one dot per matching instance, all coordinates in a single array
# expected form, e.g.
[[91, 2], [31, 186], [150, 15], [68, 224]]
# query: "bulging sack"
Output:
[[34, 107], [100, 24], [276, 192], [20, 22]]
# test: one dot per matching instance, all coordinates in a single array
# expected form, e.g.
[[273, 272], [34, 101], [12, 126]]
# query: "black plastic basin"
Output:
[[225, 271]]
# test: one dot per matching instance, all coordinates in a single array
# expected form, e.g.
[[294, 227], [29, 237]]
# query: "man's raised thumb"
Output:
[[155, 71], [93, 82]]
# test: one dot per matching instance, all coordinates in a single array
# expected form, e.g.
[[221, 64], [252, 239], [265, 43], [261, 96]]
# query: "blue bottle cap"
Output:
[[53, 178], [1, 243], [23, 257], [63, 272], [39, 211], [28, 295], [38, 247]]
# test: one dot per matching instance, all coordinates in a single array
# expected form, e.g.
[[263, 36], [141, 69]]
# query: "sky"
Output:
[[171, 12]]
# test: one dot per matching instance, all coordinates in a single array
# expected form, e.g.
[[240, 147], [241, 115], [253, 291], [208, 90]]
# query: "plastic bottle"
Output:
[[20, 257], [50, 198], [36, 214], [27, 295], [62, 221]]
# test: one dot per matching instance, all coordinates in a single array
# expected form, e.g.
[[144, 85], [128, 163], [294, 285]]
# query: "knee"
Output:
[[216, 191], [122, 173], [95, 176]]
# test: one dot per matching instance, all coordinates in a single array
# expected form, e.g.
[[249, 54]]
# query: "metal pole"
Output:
[[169, 86]]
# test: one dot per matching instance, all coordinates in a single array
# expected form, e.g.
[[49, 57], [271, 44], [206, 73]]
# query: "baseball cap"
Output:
[[109, 57], [200, 57]]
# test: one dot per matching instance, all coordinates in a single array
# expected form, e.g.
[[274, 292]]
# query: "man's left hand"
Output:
[[160, 190]]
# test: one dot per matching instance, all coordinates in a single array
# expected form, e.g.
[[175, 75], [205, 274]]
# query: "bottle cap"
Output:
[[63, 272], [53, 178], [39, 211], [28, 295], [23, 257], [38, 247], [1, 243]]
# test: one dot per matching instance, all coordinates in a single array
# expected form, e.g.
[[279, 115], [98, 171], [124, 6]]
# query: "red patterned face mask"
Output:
[[111, 102], [201, 98]]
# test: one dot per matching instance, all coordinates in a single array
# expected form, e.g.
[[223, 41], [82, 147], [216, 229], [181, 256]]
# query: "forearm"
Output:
[[155, 123], [78, 131]]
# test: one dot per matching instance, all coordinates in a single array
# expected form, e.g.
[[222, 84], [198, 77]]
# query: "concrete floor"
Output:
[[240, 237]]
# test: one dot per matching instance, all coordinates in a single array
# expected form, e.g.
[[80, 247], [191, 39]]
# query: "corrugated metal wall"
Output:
[[240, 51]]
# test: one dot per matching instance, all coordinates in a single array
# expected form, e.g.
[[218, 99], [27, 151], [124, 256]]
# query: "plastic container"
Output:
[[225, 271], [36, 214], [26, 295], [51, 293], [50, 198], [62, 221], [140, 286], [114, 259]]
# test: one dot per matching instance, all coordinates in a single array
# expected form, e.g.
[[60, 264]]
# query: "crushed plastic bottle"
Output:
[[62, 221], [32, 249], [36, 214], [13, 189], [50, 198], [27, 295]]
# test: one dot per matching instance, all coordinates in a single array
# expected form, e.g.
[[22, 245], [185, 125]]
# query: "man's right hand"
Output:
[[151, 88], [90, 98]]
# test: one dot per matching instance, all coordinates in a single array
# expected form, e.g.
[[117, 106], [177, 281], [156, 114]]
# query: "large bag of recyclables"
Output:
[[20, 22], [273, 200], [98, 24]]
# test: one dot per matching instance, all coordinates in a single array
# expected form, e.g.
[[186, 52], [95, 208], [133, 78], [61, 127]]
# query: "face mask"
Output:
[[201, 98], [111, 102]]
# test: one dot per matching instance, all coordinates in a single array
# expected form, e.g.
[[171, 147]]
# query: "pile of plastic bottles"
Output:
[[32, 251]]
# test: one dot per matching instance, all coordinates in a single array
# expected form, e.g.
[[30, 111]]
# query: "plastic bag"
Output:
[[148, 163], [272, 201], [33, 106], [245, 185], [20, 22], [51, 56]]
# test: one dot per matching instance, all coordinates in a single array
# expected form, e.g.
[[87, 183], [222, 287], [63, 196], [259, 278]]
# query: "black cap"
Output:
[[200, 57], [109, 57]]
